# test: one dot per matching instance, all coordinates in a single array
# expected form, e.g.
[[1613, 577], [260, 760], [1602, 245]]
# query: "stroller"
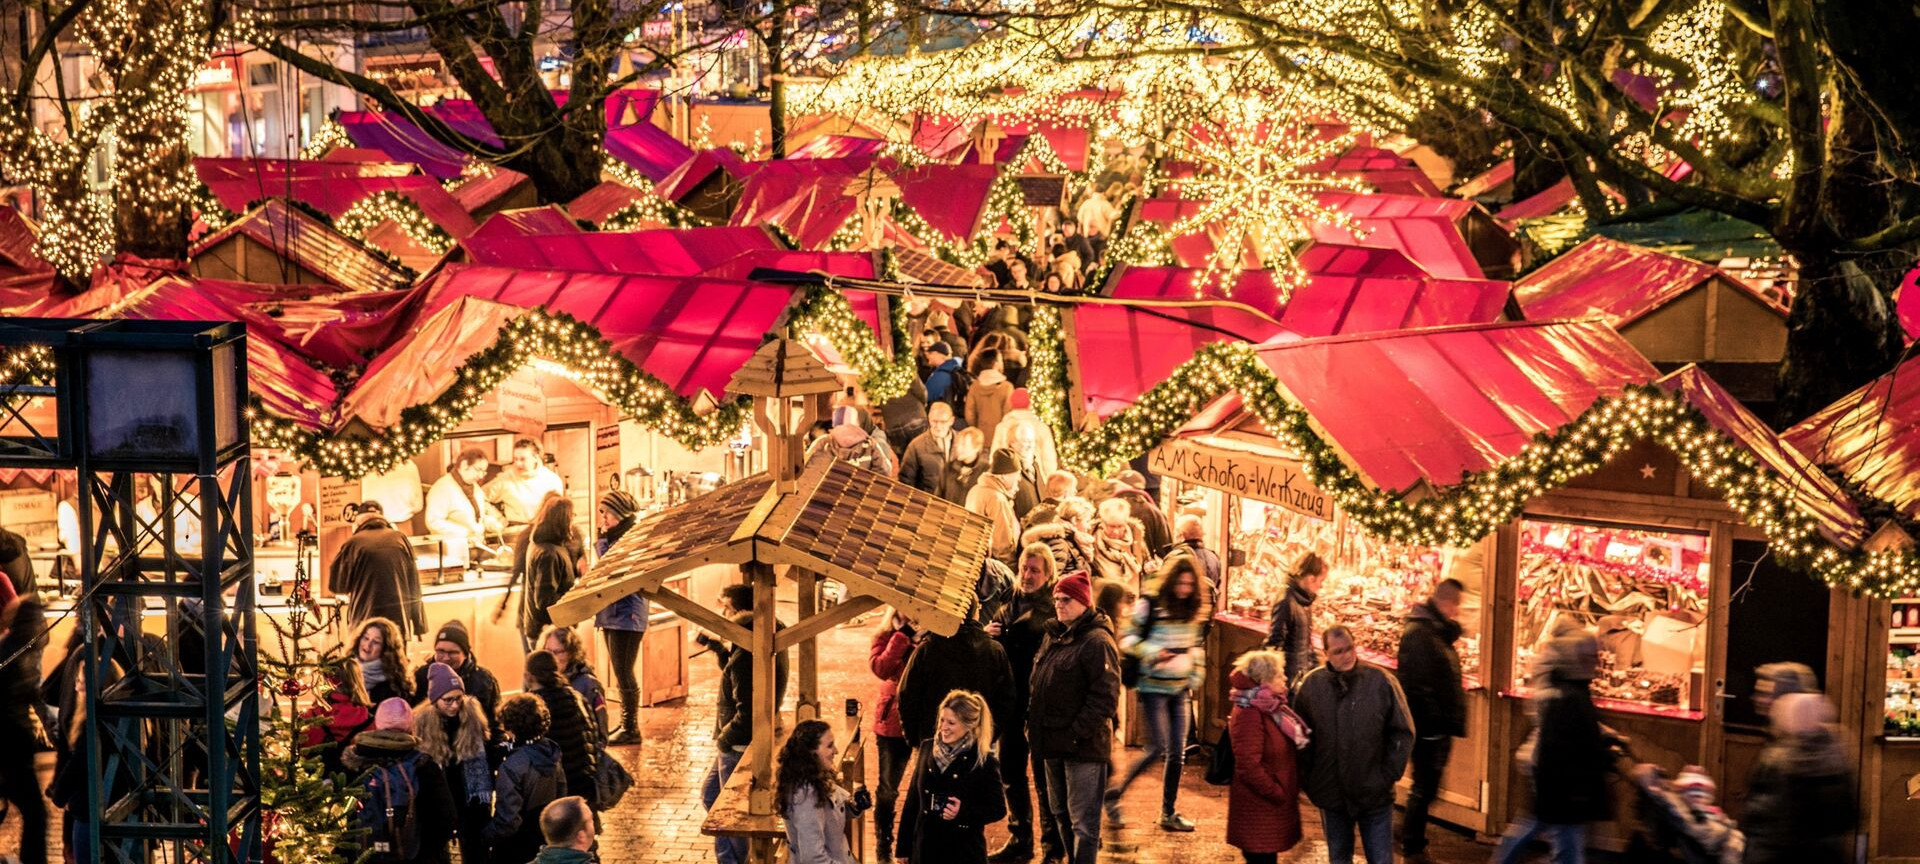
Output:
[[1678, 821]]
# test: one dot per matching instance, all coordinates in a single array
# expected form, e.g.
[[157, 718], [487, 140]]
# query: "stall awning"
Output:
[[403, 142], [1124, 351], [1619, 283], [690, 332], [1341, 259], [310, 244], [951, 198], [809, 199], [1817, 494], [481, 190], [1330, 305], [682, 180], [647, 148], [1872, 436], [526, 222], [596, 204], [837, 147], [1432, 241], [423, 364], [335, 195], [666, 252], [265, 173], [1445, 402], [1384, 170], [1487, 181]]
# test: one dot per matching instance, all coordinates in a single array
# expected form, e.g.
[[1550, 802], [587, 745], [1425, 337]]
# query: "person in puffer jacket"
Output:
[[888, 658], [453, 732], [571, 725], [529, 779], [389, 757]]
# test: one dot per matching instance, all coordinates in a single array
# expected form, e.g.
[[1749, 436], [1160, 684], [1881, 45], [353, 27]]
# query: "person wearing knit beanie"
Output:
[[1004, 463], [441, 680], [394, 714], [620, 504], [455, 632], [1075, 586], [453, 647]]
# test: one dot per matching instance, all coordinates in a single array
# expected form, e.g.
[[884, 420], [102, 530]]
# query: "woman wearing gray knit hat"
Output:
[[625, 621]]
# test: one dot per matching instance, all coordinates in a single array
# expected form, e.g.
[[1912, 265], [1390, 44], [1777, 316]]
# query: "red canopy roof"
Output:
[[1124, 351], [1428, 234], [526, 222], [837, 147], [335, 195], [807, 198], [596, 204], [1340, 259], [1486, 181], [1616, 282], [647, 148], [424, 363], [482, 189], [681, 181], [309, 244], [1545, 202], [852, 265], [1818, 494], [403, 142], [1445, 402], [1385, 170], [1872, 436], [668, 251], [1326, 305], [950, 198], [692, 332]]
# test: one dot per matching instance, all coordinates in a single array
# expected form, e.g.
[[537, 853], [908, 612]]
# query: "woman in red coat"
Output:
[[1263, 804], [888, 658]]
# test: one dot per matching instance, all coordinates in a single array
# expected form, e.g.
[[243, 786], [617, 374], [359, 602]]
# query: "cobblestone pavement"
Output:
[[659, 822]]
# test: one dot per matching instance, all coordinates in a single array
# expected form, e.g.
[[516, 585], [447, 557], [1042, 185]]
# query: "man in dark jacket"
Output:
[[967, 660], [24, 625], [733, 721], [1070, 721], [15, 563], [454, 647], [905, 415], [1131, 487], [1020, 628], [946, 375], [376, 572], [923, 463], [1429, 672], [1362, 735], [529, 779], [1292, 629]]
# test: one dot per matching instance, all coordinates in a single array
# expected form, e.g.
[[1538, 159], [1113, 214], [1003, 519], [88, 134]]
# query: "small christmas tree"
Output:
[[307, 813]]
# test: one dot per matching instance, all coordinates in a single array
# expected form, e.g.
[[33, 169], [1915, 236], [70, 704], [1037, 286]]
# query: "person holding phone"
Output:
[[955, 792]]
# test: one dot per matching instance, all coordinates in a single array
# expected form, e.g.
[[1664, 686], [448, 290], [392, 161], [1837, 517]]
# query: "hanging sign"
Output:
[[1248, 475], [606, 457], [523, 403]]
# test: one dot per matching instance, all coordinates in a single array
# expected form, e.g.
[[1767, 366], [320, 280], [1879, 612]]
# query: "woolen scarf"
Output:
[[944, 753]]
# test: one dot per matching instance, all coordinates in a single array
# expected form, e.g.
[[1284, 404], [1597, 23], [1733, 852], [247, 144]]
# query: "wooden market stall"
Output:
[[1641, 550], [887, 542], [1870, 437]]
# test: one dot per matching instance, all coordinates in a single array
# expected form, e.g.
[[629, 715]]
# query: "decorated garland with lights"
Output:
[[331, 135], [651, 208], [387, 205]]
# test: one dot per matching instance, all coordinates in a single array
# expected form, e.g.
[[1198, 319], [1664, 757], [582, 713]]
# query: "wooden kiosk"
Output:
[[887, 542]]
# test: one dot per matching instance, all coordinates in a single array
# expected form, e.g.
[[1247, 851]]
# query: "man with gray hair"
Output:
[[1362, 736], [567, 825]]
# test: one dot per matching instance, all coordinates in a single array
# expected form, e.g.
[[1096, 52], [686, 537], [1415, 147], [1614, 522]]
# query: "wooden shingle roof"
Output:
[[880, 537], [311, 244]]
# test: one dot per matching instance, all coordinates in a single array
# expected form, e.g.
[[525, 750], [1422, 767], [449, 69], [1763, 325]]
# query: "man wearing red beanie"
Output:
[[1070, 721]]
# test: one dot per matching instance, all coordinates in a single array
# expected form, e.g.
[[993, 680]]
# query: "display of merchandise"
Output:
[[1370, 582], [1642, 593], [1903, 670]]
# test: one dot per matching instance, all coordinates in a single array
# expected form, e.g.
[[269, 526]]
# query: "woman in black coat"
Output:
[[571, 726], [956, 791]]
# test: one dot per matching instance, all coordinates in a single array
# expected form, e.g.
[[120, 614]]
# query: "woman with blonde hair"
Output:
[[1263, 800], [956, 789], [453, 732]]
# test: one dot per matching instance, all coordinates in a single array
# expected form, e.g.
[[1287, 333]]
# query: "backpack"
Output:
[[1220, 765], [386, 815], [1132, 665], [865, 454], [956, 396]]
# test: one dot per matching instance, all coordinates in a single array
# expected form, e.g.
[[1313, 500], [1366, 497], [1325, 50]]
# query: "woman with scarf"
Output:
[[1164, 635], [380, 652], [625, 621], [956, 791], [452, 731], [1120, 544], [1263, 801]]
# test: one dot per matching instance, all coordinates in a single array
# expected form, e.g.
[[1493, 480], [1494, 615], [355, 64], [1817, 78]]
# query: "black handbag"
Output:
[[1220, 764]]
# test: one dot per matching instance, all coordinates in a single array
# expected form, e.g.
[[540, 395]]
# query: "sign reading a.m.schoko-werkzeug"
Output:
[[1249, 475]]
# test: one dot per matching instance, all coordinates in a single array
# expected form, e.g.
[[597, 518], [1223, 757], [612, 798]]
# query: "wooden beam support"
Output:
[[766, 711], [715, 623], [807, 705], [811, 627]]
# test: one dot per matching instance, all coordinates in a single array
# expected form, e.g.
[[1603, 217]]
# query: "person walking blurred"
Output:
[[1570, 759], [1164, 636], [1263, 799], [1362, 736], [1800, 803], [1429, 673]]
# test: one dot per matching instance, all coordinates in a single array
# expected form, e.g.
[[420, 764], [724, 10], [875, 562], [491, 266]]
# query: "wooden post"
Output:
[[766, 710], [806, 705]]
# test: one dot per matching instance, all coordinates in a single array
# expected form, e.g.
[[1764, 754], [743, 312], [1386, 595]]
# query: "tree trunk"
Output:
[[151, 217], [564, 165], [777, 81], [1841, 333]]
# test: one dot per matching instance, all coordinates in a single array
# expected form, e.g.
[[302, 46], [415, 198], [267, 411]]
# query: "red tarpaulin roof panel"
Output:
[[596, 204], [648, 149], [1619, 283], [1446, 402], [1124, 351], [1816, 493], [1872, 436], [526, 222], [481, 190], [1433, 242], [681, 181], [852, 265], [837, 147], [691, 332], [1330, 305], [17, 239], [667, 251], [335, 195], [424, 363], [809, 199], [950, 198], [403, 142], [1340, 259]]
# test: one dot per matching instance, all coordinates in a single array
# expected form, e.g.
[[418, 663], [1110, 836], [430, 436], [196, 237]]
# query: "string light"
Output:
[[386, 206]]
